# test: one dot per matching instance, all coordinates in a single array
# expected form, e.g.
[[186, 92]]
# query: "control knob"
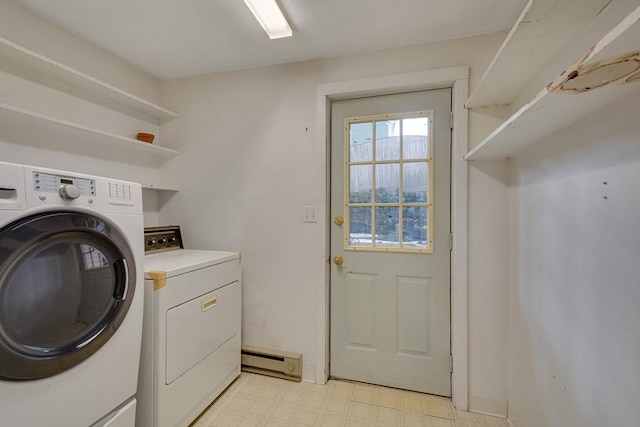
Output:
[[172, 239], [151, 242], [162, 240], [69, 192]]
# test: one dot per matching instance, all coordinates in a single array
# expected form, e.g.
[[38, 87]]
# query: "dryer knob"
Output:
[[69, 192]]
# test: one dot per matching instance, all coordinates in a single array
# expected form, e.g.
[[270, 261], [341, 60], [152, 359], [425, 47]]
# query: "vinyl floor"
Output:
[[256, 400]]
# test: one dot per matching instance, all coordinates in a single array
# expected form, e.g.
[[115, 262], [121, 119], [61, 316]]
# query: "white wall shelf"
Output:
[[46, 71], [610, 62], [160, 188], [30, 128], [543, 31]]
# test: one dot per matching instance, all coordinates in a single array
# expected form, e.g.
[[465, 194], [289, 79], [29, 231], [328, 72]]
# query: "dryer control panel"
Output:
[[163, 238]]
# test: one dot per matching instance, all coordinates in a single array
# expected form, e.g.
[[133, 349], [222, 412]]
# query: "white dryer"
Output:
[[191, 336], [71, 298]]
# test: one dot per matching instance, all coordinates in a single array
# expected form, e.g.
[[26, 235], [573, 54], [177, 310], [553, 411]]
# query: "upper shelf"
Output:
[[607, 73], [543, 31], [38, 130], [160, 188], [60, 76]]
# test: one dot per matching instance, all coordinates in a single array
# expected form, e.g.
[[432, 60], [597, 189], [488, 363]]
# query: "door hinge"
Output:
[[451, 363], [450, 241], [452, 120]]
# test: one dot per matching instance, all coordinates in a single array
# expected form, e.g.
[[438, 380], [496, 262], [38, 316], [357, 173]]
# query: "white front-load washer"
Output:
[[71, 298]]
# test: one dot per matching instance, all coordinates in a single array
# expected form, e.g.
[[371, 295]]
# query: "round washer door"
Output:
[[66, 283]]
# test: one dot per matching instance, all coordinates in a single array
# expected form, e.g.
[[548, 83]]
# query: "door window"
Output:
[[389, 194]]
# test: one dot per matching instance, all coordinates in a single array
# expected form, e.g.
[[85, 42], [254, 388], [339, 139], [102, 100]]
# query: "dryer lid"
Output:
[[185, 260]]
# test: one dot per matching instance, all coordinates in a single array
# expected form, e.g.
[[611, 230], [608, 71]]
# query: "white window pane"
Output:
[[388, 140], [415, 138], [414, 227], [387, 182], [387, 227], [415, 182], [360, 181], [360, 226], [360, 142]]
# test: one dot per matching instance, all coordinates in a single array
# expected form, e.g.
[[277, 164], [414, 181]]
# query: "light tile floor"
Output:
[[257, 400]]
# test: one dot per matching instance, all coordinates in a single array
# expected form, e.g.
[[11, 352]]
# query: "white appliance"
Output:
[[71, 296], [191, 334]]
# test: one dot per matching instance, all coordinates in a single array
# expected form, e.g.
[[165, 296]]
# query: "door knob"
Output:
[[338, 220], [338, 260]]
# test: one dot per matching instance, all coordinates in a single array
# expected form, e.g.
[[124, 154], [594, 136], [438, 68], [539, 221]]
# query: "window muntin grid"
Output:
[[389, 182]]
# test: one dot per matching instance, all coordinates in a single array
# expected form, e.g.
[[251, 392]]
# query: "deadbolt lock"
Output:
[[338, 260], [338, 220]]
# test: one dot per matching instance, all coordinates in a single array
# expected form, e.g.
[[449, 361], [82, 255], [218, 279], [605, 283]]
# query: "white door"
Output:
[[390, 240]]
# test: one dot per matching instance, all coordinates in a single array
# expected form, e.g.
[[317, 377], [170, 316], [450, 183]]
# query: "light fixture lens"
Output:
[[270, 17]]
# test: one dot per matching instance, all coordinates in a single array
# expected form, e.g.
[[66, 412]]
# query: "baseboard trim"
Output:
[[513, 419], [484, 405], [309, 374]]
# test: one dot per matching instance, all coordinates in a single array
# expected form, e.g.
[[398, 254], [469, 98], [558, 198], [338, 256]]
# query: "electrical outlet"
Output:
[[309, 214]]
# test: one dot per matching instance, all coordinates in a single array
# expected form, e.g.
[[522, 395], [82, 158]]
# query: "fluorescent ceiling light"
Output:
[[270, 17]]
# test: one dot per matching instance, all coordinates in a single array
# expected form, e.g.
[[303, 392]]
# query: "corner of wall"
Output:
[[512, 416], [309, 374], [487, 406]]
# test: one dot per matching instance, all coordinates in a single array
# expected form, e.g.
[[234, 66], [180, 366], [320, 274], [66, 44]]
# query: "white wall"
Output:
[[251, 161], [488, 251], [574, 270], [22, 89], [21, 26]]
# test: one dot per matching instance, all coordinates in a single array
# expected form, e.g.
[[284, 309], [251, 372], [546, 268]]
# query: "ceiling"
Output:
[[171, 39]]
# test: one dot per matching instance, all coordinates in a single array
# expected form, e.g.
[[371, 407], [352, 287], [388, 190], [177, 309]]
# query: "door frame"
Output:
[[457, 78]]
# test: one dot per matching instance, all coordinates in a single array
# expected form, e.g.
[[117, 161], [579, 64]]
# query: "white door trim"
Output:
[[457, 79]]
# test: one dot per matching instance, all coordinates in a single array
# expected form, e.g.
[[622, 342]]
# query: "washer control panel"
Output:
[[163, 238], [68, 187]]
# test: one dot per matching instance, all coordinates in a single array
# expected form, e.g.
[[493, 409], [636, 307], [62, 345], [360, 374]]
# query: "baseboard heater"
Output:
[[275, 363]]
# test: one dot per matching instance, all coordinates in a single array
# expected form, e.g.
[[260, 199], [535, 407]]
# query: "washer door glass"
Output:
[[66, 283]]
